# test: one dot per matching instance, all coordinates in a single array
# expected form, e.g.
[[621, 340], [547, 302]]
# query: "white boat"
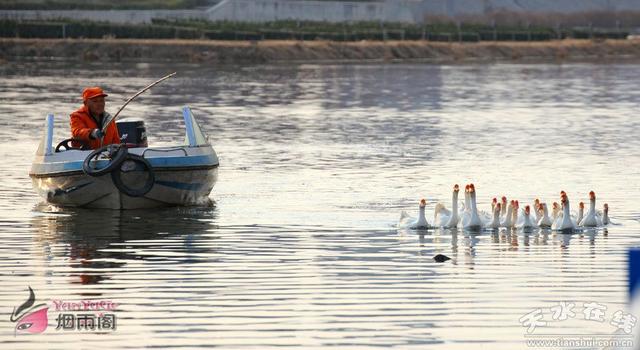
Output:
[[127, 176]]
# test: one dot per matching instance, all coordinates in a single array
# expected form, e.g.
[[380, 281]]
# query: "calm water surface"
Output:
[[317, 161]]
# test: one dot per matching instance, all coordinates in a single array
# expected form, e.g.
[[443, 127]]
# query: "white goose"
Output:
[[473, 221], [528, 222], [580, 212], [487, 217], [545, 220], [555, 211], [506, 222], [495, 222], [537, 210], [514, 219], [564, 222], [467, 198], [465, 207], [420, 223], [448, 218], [591, 219], [465, 211], [503, 206]]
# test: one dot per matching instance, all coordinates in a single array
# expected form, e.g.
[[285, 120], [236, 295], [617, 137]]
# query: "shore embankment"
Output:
[[210, 51]]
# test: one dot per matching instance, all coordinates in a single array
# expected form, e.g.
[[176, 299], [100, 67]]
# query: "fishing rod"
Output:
[[113, 118]]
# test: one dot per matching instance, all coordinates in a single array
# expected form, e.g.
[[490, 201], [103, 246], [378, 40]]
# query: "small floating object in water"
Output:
[[441, 258]]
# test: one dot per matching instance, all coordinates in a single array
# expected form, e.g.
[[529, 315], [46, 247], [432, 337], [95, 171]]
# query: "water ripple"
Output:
[[317, 161]]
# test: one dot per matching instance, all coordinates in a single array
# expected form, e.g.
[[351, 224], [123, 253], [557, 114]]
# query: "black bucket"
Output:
[[135, 132]]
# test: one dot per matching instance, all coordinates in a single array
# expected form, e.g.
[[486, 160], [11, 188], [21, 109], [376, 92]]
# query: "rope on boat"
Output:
[[133, 163], [120, 162], [116, 154]]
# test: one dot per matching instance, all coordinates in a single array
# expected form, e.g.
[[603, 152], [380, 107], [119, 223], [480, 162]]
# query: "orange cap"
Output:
[[92, 92]]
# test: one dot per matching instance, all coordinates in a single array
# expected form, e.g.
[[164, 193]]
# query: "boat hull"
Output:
[[172, 187], [181, 176]]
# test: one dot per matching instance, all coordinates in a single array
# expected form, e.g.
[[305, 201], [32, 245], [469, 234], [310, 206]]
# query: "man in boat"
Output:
[[87, 121]]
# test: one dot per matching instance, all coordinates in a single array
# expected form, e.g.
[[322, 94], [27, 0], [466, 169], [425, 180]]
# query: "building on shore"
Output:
[[402, 11]]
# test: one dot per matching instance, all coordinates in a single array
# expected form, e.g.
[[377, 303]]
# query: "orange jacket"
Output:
[[82, 123]]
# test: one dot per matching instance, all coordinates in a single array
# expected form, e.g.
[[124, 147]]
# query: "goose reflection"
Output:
[[512, 239], [457, 239], [589, 234], [96, 244], [542, 238]]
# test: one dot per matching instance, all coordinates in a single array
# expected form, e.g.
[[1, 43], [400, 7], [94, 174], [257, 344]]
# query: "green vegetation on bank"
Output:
[[101, 4], [298, 30]]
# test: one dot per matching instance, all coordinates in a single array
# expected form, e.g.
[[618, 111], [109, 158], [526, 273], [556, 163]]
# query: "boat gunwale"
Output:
[[155, 169]]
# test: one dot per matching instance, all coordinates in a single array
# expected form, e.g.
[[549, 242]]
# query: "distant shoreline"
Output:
[[210, 51]]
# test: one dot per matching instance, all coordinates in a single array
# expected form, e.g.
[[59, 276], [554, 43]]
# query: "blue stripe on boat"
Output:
[[204, 160], [180, 185]]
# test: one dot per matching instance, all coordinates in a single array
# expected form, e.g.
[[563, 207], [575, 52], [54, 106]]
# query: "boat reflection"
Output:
[[95, 243]]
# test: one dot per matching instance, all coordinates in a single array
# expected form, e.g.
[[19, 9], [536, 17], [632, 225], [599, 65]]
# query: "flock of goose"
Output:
[[466, 215]]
